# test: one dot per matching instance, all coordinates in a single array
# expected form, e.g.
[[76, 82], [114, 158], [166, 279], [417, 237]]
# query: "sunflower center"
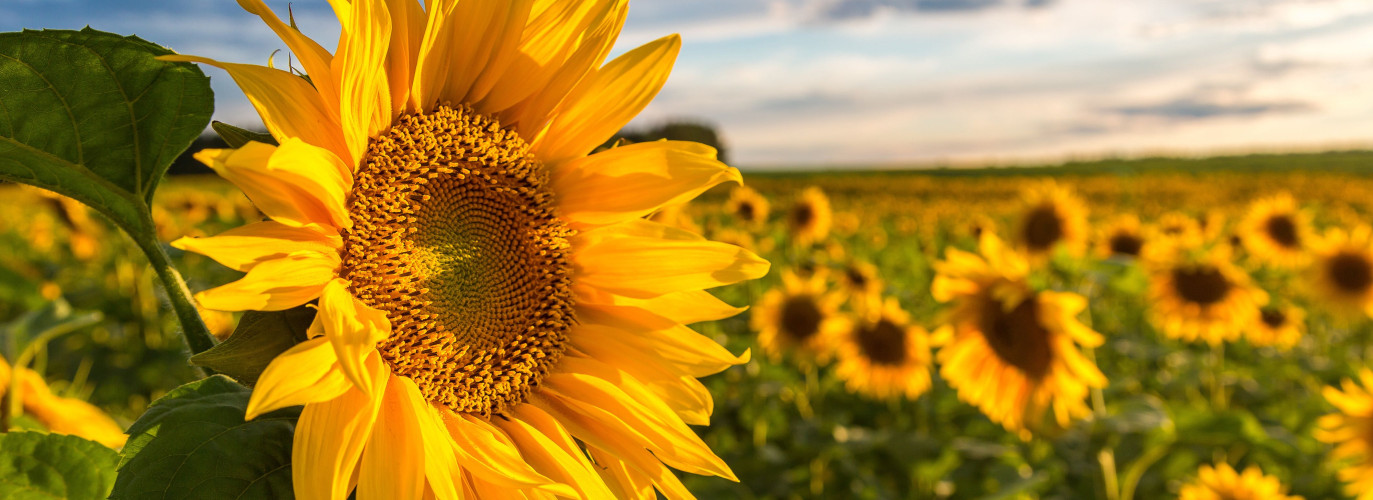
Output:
[[1351, 272], [1043, 228], [1283, 231], [1272, 317], [856, 278], [455, 239], [1017, 337], [1203, 285], [745, 211], [883, 343], [801, 318], [802, 215], [1126, 244]]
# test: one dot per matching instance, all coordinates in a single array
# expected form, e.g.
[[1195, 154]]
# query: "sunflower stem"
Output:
[[198, 336]]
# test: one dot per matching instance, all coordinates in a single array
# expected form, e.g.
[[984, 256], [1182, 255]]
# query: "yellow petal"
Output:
[[353, 328], [632, 181], [289, 105], [623, 480], [488, 454], [607, 99], [407, 32], [312, 57], [638, 331], [502, 47], [329, 440], [275, 285], [680, 391], [692, 306], [393, 461], [459, 41], [598, 435], [546, 448], [440, 463], [552, 36], [360, 68], [306, 373], [531, 116], [295, 184], [245, 246], [619, 260]]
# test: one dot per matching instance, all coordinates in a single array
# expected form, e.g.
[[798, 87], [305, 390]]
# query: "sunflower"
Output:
[[1195, 292], [1281, 327], [496, 318], [1052, 217], [810, 217], [60, 415], [748, 207], [1177, 226], [1011, 351], [1342, 273], [801, 316], [1123, 237], [884, 356], [1350, 429], [1276, 231], [1223, 483], [676, 216], [859, 279]]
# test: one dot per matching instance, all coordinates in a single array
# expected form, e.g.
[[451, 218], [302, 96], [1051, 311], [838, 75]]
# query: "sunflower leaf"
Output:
[[258, 339], [194, 443], [96, 117], [41, 465]]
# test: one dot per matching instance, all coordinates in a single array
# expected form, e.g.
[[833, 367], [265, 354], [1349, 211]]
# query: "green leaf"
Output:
[[95, 116], [194, 443], [258, 339], [237, 137], [38, 465]]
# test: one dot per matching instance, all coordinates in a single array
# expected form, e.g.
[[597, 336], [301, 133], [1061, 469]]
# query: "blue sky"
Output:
[[901, 82]]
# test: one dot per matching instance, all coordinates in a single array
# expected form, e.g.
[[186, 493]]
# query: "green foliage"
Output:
[[194, 443], [258, 339], [41, 466]]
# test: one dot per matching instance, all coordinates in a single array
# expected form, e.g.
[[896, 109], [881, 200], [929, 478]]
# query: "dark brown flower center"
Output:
[[1043, 228], [1202, 284], [745, 211], [883, 343], [801, 318], [455, 238], [1126, 244], [1351, 272], [1017, 337], [1282, 230], [802, 215], [1274, 318]]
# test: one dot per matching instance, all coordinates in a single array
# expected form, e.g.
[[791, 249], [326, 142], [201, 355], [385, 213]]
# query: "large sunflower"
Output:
[[495, 317], [1223, 483], [1053, 216], [1011, 351], [1351, 431], [1342, 271], [1276, 231], [1196, 293], [810, 217], [802, 317], [883, 355]]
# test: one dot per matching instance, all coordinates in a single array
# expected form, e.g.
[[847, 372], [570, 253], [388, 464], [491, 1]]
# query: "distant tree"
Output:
[[674, 130]]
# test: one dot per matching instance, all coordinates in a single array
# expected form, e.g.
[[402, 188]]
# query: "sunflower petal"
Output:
[[638, 331], [275, 285], [488, 454], [531, 116], [552, 36], [315, 59], [393, 461], [329, 440], [691, 306], [353, 328], [360, 68], [296, 184], [407, 33], [622, 479], [306, 373], [632, 181], [645, 267], [550, 450], [243, 247], [440, 462]]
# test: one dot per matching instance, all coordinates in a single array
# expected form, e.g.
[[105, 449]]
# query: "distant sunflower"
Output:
[[1276, 231], [859, 279], [1223, 483], [1123, 237], [495, 319], [1010, 351], [1280, 327], [802, 317], [676, 216], [884, 356], [58, 414], [748, 207], [1177, 226], [1196, 293], [1052, 217], [1350, 429], [1342, 271], [810, 216], [980, 224]]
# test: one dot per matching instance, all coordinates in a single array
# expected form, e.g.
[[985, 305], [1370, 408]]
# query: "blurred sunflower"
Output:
[[1280, 327], [1342, 271], [810, 217], [859, 279], [1010, 351], [1276, 231], [1351, 431], [1123, 237], [1052, 217], [496, 318], [981, 223], [676, 216], [58, 414], [1195, 293], [883, 355], [1223, 483], [748, 207], [1177, 226], [802, 317]]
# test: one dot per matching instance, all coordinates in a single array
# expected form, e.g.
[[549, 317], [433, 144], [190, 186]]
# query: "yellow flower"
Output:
[[1009, 350], [801, 316], [810, 217], [1195, 293], [1351, 431], [884, 356], [1123, 237], [61, 415], [1223, 483], [859, 280], [1177, 226], [495, 315], [1277, 232], [1281, 327], [1053, 216], [1342, 271], [748, 207]]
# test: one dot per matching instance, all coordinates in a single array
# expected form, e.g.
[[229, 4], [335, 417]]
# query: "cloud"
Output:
[[1194, 108], [854, 9]]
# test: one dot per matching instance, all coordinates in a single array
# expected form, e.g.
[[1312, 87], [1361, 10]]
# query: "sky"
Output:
[[892, 83]]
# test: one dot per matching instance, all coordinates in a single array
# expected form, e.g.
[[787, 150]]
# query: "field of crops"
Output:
[[1105, 330]]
